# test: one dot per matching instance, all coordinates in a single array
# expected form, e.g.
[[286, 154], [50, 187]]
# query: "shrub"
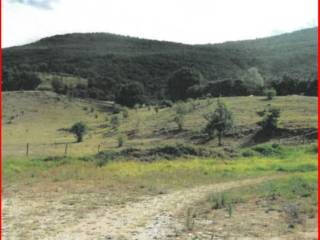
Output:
[[269, 123], [121, 140], [218, 122], [268, 150], [79, 129], [180, 109], [114, 121], [270, 93], [166, 103], [248, 153], [179, 120], [116, 108], [125, 113], [58, 86], [105, 157], [218, 201], [189, 219]]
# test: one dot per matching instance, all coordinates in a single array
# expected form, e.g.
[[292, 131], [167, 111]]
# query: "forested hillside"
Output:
[[105, 62]]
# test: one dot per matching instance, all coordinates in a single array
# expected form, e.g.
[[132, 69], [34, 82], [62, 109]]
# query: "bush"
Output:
[[180, 109], [79, 129], [218, 122], [268, 150], [116, 108], [179, 120], [115, 122], [189, 219], [269, 123], [166, 103], [218, 201], [270, 93], [103, 158], [121, 140], [248, 153], [125, 113], [58, 86]]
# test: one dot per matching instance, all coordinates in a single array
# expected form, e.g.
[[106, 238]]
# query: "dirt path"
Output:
[[150, 218]]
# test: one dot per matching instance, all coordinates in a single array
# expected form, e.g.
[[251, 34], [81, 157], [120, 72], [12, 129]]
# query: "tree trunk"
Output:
[[79, 138], [220, 138]]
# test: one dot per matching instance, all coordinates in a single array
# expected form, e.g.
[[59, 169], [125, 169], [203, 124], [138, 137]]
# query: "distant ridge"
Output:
[[114, 59]]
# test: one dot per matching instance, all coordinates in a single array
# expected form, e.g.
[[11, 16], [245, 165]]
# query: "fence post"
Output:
[[27, 151], [66, 149], [98, 148]]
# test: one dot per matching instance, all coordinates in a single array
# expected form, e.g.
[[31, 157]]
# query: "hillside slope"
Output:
[[108, 60], [40, 119]]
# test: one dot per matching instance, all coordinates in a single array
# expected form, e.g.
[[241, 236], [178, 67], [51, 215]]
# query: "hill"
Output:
[[107, 61]]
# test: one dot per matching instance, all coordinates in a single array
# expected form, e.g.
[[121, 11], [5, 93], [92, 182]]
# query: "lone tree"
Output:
[[269, 122], [219, 122], [79, 129], [181, 110], [180, 82]]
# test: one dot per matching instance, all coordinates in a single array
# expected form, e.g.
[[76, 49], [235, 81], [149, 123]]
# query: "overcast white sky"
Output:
[[187, 21]]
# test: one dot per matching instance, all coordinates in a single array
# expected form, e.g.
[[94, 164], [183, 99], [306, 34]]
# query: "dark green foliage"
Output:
[[166, 103], [270, 93], [79, 129], [248, 153], [19, 80], [130, 94], [269, 123], [312, 88], [58, 86], [196, 91], [161, 152], [103, 158], [219, 122], [268, 149], [227, 88], [289, 85], [110, 61], [180, 82]]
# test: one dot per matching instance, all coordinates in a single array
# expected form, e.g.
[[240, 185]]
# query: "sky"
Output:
[[186, 21]]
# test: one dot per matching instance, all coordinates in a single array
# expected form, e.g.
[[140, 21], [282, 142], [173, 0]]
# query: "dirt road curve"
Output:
[[150, 218]]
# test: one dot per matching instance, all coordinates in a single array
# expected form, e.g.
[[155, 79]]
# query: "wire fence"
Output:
[[75, 149], [54, 149]]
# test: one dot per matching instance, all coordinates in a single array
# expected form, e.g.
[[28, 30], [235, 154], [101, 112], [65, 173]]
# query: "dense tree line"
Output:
[[109, 61], [19, 80]]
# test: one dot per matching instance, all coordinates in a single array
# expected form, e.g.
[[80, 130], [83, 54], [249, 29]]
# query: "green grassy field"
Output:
[[38, 118]]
